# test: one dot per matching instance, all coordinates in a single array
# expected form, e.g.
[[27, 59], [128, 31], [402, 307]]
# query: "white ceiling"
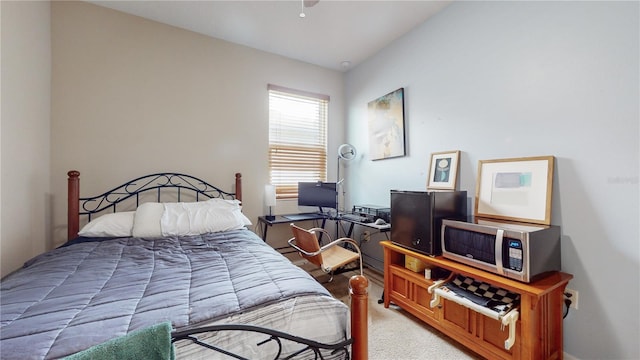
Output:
[[332, 32]]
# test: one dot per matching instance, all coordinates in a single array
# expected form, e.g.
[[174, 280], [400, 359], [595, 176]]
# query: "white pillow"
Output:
[[242, 217], [236, 208], [215, 215], [118, 224], [147, 220]]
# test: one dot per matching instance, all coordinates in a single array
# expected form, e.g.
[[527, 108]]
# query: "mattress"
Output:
[[80, 295]]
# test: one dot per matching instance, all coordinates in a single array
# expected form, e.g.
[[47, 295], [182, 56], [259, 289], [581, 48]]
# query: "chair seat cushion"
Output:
[[337, 256]]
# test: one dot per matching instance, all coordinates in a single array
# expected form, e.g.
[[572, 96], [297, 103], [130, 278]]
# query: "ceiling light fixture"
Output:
[[306, 4], [302, 14]]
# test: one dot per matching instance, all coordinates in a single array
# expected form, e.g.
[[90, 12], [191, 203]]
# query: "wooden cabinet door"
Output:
[[399, 285], [422, 299], [411, 292], [493, 336], [484, 335], [456, 317]]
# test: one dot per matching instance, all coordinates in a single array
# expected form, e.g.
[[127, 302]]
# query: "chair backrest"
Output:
[[307, 241]]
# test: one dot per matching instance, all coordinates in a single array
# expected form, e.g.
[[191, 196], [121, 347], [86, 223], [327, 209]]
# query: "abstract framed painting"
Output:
[[386, 126]]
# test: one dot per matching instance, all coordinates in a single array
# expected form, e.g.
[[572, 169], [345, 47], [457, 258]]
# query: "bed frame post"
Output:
[[239, 186], [73, 205], [359, 320]]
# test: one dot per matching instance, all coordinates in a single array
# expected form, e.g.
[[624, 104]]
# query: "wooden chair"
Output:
[[330, 258]]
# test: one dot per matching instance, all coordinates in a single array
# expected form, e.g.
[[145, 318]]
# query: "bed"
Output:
[[192, 264]]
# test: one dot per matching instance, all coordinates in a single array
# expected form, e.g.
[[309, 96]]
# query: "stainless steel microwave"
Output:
[[515, 250]]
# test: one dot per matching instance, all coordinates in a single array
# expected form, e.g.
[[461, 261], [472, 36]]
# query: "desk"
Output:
[[288, 219], [381, 228], [372, 253]]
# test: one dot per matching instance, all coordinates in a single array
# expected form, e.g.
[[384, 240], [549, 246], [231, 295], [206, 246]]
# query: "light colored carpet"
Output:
[[395, 334]]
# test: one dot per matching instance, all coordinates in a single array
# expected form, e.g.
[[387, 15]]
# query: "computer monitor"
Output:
[[318, 194]]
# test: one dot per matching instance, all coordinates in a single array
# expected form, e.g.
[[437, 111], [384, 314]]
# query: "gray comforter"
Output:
[[77, 296]]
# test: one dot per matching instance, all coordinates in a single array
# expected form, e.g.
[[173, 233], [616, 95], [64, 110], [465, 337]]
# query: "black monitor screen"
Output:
[[320, 194]]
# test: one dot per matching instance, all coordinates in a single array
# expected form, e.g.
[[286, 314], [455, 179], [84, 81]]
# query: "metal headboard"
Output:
[[87, 206]]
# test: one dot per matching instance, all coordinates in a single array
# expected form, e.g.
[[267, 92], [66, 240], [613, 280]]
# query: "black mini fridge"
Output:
[[416, 217]]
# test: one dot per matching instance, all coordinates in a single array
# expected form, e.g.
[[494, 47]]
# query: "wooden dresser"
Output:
[[538, 333]]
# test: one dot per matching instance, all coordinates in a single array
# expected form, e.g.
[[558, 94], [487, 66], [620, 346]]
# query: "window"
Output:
[[297, 139]]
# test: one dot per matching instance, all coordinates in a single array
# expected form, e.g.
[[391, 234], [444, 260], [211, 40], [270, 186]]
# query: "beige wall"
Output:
[[26, 88], [132, 96]]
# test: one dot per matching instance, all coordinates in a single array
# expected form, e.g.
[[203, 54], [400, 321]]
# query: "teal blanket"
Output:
[[152, 343]]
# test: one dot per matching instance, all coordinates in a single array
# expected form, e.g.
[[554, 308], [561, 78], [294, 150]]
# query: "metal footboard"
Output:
[[308, 348]]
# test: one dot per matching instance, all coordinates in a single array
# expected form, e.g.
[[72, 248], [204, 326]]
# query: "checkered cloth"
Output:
[[494, 298]]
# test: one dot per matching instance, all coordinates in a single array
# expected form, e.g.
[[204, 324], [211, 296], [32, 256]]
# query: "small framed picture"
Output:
[[517, 189], [443, 170]]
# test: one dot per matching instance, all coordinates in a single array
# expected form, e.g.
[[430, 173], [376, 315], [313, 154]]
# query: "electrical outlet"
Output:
[[366, 236], [573, 296]]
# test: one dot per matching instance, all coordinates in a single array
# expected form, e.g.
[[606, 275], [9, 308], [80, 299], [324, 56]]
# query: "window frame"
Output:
[[298, 140]]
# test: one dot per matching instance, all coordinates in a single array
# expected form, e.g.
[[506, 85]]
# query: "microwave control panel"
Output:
[[515, 254]]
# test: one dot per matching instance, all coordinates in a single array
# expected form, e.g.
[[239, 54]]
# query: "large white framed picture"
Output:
[[516, 189]]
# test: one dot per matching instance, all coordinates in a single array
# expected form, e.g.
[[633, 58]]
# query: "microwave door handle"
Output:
[[498, 251]]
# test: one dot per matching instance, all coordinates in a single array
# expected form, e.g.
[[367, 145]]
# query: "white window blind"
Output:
[[297, 139]]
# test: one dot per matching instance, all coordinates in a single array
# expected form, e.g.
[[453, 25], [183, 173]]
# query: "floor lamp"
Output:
[[346, 152]]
